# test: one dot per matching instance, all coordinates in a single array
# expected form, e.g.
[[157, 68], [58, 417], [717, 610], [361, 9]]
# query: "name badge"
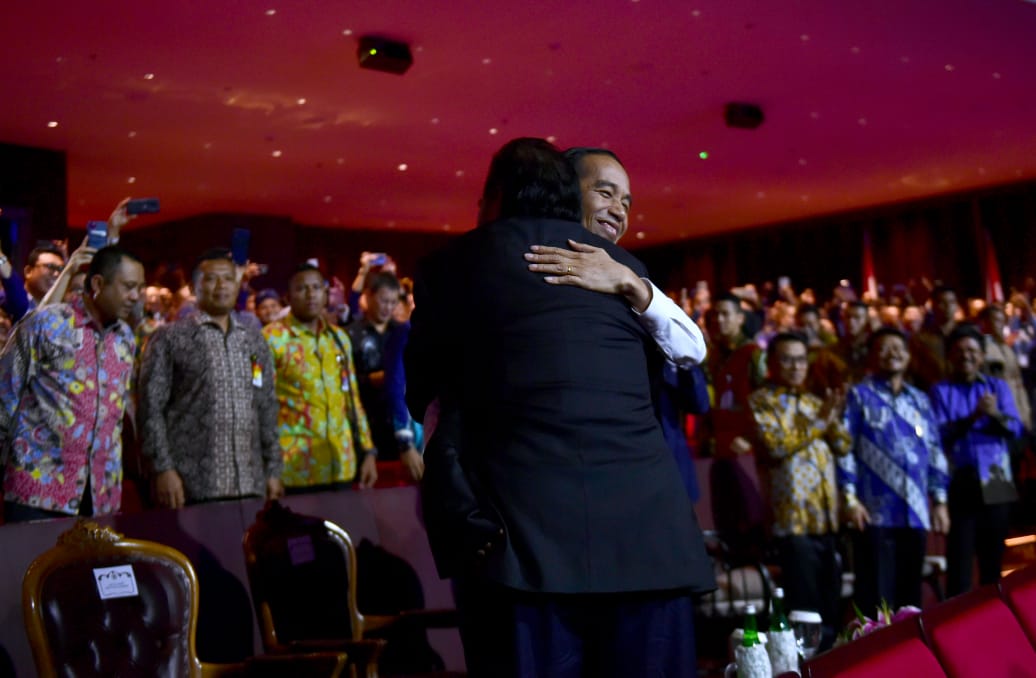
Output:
[[257, 373], [115, 582]]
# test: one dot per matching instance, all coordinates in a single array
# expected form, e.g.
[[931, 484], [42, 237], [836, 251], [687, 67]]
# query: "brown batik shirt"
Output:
[[208, 408]]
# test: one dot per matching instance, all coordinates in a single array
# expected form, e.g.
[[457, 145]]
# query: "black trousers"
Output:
[[888, 563], [811, 572], [509, 633], [977, 531]]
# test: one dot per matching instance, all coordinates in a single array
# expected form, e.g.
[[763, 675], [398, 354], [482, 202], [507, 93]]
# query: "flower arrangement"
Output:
[[863, 625]]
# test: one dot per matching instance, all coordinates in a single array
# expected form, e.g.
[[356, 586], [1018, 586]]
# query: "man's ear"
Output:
[[96, 284]]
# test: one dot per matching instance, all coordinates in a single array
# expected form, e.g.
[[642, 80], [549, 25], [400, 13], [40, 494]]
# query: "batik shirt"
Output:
[[978, 442], [64, 384], [797, 458], [208, 409], [321, 422], [897, 460]]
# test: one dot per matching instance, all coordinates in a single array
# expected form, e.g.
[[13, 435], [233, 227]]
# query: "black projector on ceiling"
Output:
[[743, 116], [382, 54]]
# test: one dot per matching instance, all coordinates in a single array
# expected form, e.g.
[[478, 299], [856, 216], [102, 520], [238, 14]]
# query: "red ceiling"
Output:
[[866, 102]]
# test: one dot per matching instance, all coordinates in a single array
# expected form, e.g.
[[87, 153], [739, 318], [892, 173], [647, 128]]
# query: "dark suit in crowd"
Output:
[[547, 407]]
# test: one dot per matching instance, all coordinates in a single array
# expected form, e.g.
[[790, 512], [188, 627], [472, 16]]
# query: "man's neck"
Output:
[[313, 324], [222, 320], [895, 381], [95, 313]]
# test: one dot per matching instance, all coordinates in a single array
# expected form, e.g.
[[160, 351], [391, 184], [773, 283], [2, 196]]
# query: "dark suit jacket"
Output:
[[559, 429]]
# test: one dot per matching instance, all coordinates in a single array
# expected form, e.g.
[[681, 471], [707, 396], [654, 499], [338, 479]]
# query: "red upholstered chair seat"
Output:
[[976, 634], [898, 650], [1019, 590]]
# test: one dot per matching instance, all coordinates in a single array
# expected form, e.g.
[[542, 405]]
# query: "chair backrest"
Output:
[[302, 573], [975, 634], [1018, 589], [896, 650], [100, 604]]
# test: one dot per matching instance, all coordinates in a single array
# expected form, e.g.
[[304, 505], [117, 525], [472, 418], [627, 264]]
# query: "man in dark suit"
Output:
[[545, 401]]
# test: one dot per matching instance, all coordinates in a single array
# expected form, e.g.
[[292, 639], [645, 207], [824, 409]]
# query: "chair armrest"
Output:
[[302, 665], [424, 619], [360, 652]]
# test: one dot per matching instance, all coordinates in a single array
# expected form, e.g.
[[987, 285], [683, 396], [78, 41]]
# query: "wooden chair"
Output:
[[100, 604], [302, 574]]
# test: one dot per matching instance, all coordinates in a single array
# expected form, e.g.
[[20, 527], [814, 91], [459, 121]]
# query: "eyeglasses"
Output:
[[793, 360], [53, 268]]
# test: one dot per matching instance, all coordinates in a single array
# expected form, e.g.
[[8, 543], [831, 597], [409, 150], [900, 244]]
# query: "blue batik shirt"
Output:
[[897, 459], [977, 442]]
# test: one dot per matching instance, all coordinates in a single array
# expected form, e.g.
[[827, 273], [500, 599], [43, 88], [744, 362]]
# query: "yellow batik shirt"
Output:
[[798, 460], [321, 422]]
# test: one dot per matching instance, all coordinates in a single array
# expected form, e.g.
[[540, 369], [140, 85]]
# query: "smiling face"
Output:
[[216, 286], [966, 358], [605, 189], [890, 355]]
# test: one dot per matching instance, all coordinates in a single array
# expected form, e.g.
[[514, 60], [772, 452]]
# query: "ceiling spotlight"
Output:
[[52, 123]]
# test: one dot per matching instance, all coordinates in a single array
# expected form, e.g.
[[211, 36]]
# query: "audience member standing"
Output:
[[977, 421], [42, 269], [322, 425], [680, 386], [1001, 361], [207, 404], [736, 368], [896, 463], [928, 347], [852, 345], [800, 434], [370, 337], [64, 384]]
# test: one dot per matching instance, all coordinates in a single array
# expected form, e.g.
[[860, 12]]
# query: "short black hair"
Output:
[[783, 338], [305, 267], [383, 280], [727, 296], [529, 177], [940, 290], [990, 309], [211, 254], [964, 331], [106, 262], [44, 248], [884, 331], [576, 154]]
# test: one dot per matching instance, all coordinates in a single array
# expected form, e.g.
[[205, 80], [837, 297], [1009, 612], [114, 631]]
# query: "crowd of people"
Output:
[[564, 402]]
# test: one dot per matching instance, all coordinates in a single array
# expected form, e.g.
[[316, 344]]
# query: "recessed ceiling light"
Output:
[[459, 173], [276, 154], [446, 227], [640, 217], [52, 123], [402, 167], [207, 145], [551, 139], [347, 32], [949, 68], [802, 161], [996, 76], [695, 12], [804, 38], [301, 101], [271, 12], [486, 61], [132, 134], [391, 224], [862, 122], [640, 235], [434, 121], [131, 180], [327, 198], [149, 76], [854, 49], [493, 130], [340, 161]]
